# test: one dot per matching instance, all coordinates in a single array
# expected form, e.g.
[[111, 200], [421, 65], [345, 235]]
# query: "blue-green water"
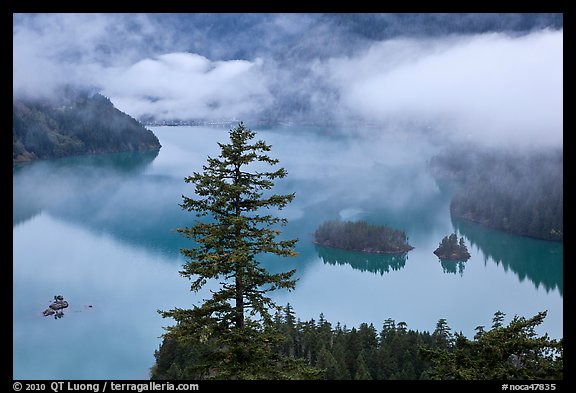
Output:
[[100, 231]]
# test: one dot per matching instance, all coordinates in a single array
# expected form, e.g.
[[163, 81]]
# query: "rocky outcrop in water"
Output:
[[56, 307]]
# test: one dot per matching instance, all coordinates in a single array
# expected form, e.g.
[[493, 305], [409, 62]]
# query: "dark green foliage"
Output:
[[357, 353], [307, 350], [240, 354], [361, 236], [516, 192], [452, 249], [505, 352], [234, 327], [396, 352], [75, 123]]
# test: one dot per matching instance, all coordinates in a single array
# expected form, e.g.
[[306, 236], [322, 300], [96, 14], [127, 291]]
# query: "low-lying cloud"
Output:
[[189, 86], [491, 88]]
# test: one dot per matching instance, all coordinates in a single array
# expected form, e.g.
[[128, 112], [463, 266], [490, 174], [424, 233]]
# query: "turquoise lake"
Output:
[[100, 230]]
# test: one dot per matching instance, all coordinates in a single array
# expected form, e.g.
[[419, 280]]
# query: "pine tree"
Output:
[[442, 334], [362, 372], [236, 320], [328, 364], [504, 352]]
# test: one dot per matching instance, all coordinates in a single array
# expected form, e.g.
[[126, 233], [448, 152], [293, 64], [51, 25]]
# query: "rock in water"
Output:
[[58, 304]]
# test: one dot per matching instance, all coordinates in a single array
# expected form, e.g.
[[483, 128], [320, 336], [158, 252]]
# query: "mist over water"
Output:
[[355, 106], [101, 233], [488, 86]]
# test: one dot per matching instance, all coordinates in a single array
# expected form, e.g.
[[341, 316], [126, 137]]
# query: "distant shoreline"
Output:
[[408, 248]]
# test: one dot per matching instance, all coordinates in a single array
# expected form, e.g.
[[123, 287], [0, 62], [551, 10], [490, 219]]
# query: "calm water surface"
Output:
[[100, 231]]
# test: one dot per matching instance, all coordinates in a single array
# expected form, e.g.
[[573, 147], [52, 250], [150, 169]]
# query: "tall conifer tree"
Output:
[[233, 228]]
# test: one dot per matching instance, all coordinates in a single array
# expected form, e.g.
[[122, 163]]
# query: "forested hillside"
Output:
[[512, 191], [76, 122]]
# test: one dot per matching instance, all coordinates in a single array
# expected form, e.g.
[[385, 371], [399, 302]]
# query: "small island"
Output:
[[450, 249], [362, 236]]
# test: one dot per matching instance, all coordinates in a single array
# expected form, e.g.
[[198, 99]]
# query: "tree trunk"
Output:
[[239, 298], [239, 267]]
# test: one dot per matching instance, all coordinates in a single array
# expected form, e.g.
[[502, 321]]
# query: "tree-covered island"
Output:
[[239, 332], [362, 236], [452, 249]]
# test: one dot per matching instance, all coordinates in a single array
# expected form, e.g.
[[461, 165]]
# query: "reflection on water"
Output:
[[453, 267], [54, 184], [101, 231], [123, 162], [538, 260], [112, 194], [365, 262]]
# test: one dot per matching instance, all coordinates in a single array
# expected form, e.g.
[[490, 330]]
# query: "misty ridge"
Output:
[[75, 122], [482, 88], [472, 76], [509, 190]]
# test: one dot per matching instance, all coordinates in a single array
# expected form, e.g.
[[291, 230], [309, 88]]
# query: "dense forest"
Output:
[[337, 352], [77, 122], [450, 248], [361, 236], [513, 191]]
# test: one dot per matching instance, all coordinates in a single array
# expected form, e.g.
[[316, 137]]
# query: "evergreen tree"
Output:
[[236, 320], [512, 352], [442, 334], [498, 319], [328, 363], [504, 352], [362, 372]]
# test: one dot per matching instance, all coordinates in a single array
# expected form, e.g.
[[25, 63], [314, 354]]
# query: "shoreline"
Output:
[[365, 251]]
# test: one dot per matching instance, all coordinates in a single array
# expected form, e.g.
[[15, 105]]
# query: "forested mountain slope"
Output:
[[74, 123]]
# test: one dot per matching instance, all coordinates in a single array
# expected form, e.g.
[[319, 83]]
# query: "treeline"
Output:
[[76, 122], [520, 193], [361, 236], [362, 353], [337, 352], [392, 352]]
